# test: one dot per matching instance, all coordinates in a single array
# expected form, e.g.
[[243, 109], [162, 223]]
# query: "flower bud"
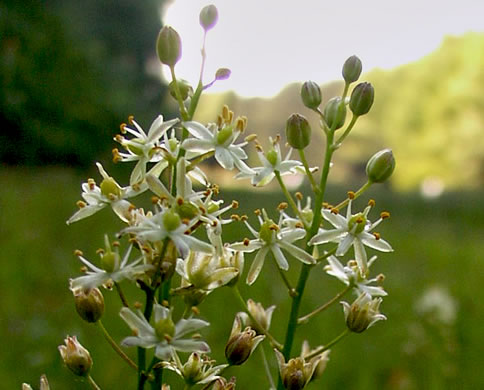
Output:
[[362, 313], [184, 87], [75, 356], [296, 373], [298, 131], [362, 99], [311, 95], [380, 166], [208, 17], [335, 113], [352, 69], [168, 46], [89, 303], [241, 343], [222, 384], [44, 384], [222, 74]]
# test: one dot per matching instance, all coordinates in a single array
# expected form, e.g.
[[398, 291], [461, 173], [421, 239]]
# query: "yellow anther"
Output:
[[225, 112], [274, 227], [202, 209], [277, 139], [215, 189], [130, 119], [371, 203], [207, 192], [377, 235], [299, 195], [214, 223], [235, 204], [165, 303], [78, 253], [122, 128], [326, 205], [259, 148], [99, 251], [231, 117], [136, 187], [179, 201], [137, 305], [91, 183], [244, 218], [195, 310], [246, 242], [299, 225], [186, 221], [119, 138], [257, 212], [116, 244], [155, 199], [235, 217], [131, 207], [385, 214], [351, 195], [335, 211], [220, 121], [81, 204], [250, 138], [239, 125], [282, 206], [380, 278], [352, 263]]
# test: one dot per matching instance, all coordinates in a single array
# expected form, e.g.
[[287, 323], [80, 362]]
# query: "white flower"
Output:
[[166, 224], [272, 238], [165, 336], [354, 230], [351, 276], [108, 193], [271, 162], [143, 147], [112, 269], [220, 140], [197, 369]]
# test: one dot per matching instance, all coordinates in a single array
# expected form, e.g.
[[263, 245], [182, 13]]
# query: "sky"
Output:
[[270, 43]]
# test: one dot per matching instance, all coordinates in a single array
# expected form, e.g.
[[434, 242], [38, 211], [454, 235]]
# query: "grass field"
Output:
[[439, 245]]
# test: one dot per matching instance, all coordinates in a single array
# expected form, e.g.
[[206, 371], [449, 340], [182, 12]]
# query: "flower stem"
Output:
[[347, 131], [271, 338], [267, 368], [288, 196], [362, 189], [283, 277], [121, 295], [178, 95], [308, 171], [327, 346], [307, 317], [115, 346]]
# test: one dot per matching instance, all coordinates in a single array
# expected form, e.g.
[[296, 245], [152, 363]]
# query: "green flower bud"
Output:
[[298, 131], [222, 74], [311, 95], [184, 87], [362, 99], [208, 17], [89, 304], [168, 46], [380, 166], [352, 69], [76, 357], [335, 113]]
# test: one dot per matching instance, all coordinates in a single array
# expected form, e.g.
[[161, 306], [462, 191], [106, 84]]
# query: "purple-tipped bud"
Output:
[[89, 303], [168, 46], [335, 113], [208, 17], [298, 131], [222, 74], [352, 69], [311, 95], [380, 166], [362, 99]]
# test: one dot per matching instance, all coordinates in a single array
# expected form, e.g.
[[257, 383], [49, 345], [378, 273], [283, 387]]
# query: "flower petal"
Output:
[[256, 265]]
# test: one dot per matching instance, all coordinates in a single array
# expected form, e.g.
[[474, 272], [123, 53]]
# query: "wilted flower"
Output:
[[362, 313], [44, 384], [354, 230], [261, 315], [272, 237], [322, 363], [165, 336], [112, 268], [241, 343], [75, 356]]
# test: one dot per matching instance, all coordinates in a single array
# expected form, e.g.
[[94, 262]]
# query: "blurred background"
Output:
[[71, 72]]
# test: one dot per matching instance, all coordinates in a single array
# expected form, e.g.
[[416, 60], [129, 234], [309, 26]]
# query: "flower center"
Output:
[[265, 232], [224, 134], [110, 261], [272, 157], [357, 223], [109, 186], [134, 148], [165, 328], [171, 221]]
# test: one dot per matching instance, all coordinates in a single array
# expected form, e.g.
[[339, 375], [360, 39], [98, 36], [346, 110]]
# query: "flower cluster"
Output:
[[177, 252]]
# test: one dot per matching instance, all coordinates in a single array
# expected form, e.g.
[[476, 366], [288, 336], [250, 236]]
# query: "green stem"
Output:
[[327, 346], [121, 295], [283, 277], [271, 338], [308, 171], [326, 255], [288, 196], [267, 368], [92, 383], [347, 131], [183, 111], [115, 346], [307, 317], [362, 189]]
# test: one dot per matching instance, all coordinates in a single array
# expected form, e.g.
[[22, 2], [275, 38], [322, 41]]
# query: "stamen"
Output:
[[371, 203], [179, 201], [335, 211], [352, 263], [83, 269], [299, 195], [299, 225], [155, 199], [195, 310], [91, 183], [122, 128], [274, 227], [235, 204], [81, 204], [351, 195], [380, 278], [137, 305], [116, 244], [282, 206], [78, 253], [231, 117], [384, 215], [100, 251], [257, 212], [259, 148], [250, 138], [185, 221], [225, 112], [326, 205], [277, 139], [377, 235], [359, 220], [235, 217], [244, 218], [246, 242], [136, 187], [165, 303], [119, 138], [130, 119], [220, 121], [202, 209]]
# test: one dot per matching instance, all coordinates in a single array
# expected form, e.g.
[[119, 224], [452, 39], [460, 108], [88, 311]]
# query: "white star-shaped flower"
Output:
[[352, 230]]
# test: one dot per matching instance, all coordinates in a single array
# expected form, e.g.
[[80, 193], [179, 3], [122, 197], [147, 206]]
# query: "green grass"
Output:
[[437, 243]]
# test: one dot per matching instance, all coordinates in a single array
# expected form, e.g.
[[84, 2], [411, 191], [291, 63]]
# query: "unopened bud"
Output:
[[184, 87], [208, 17], [75, 356], [335, 113], [168, 46], [362, 99], [311, 94], [298, 131], [362, 313], [222, 74], [241, 343], [352, 69], [380, 166], [89, 303]]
